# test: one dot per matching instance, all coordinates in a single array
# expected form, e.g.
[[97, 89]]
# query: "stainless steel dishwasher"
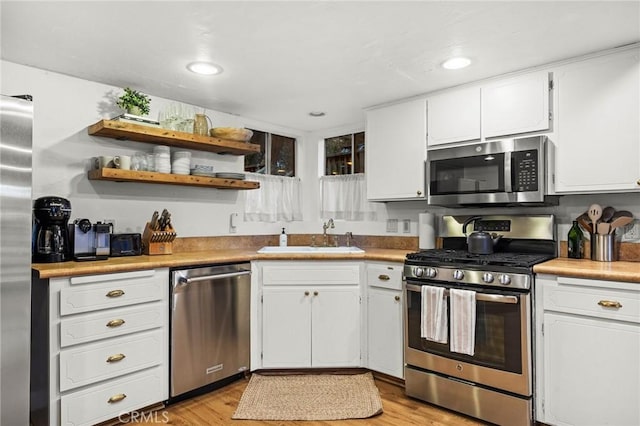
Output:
[[209, 325]]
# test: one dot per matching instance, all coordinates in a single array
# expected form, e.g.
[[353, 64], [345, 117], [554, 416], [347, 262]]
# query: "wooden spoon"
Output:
[[595, 213], [620, 222], [604, 228]]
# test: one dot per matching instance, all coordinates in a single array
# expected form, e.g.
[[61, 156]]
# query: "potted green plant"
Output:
[[134, 102]]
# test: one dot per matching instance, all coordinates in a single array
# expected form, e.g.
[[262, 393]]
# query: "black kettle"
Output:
[[479, 242]]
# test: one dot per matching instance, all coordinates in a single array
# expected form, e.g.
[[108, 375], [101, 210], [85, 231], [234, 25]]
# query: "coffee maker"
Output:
[[90, 241], [50, 236]]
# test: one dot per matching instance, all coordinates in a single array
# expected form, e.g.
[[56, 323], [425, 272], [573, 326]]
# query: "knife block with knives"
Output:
[[158, 234]]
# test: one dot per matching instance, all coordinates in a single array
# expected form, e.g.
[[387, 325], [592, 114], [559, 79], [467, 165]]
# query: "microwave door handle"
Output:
[[508, 176], [482, 297]]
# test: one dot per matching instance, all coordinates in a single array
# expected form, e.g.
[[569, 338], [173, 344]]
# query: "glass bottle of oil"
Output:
[[575, 242]]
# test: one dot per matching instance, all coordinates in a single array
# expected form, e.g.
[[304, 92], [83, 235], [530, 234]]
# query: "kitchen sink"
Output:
[[310, 249]]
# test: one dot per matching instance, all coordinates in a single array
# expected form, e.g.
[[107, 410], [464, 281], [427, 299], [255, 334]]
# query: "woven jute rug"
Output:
[[309, 397]]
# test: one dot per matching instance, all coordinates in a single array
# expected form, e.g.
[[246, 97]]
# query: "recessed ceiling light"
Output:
[[456, 63], [317, 114], [204, 68]]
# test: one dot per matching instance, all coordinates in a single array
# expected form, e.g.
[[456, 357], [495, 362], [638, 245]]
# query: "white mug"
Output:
[[104, 161], [122, 162]]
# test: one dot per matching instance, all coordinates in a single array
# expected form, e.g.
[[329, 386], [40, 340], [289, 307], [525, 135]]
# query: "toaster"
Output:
[[126, 245]]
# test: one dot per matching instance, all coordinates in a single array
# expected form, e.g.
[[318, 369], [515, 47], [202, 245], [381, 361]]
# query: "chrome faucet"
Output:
[[325, 226]]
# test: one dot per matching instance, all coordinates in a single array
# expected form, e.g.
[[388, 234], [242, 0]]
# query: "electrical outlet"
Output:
[[392, 225], [406, 226], [632, 231]]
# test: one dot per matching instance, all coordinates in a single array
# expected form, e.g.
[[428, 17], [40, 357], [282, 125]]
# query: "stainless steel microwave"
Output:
[[503, 172]]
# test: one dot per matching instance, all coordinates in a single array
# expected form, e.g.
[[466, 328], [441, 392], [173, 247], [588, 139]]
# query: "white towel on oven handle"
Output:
[[463, 321], [434, 323]]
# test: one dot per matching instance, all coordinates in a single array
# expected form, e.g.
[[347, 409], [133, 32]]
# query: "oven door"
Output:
[[502, 357]]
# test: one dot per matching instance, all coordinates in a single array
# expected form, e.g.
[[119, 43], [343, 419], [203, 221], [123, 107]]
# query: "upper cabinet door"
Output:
[[396, 152], [598, 124], [516, 105], [454, 116]]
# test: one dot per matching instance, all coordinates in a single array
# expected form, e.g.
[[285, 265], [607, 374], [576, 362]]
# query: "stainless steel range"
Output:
[[493, 381]]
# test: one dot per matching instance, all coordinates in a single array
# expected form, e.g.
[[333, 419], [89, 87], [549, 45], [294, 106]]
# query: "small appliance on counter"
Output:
[[50, 236], [90, 241], [126, 245]]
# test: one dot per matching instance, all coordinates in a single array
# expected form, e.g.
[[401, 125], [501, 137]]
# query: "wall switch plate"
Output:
[[406, 226], [631, 231], [392, 225]]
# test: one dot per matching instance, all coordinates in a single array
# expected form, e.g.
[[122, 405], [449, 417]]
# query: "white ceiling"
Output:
[[285, 59]]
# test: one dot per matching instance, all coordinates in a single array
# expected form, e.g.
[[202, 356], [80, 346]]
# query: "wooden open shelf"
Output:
[[155, 135], [119, 175]]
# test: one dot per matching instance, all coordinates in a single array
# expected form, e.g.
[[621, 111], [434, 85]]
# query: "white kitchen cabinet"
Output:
[[453, 116], [396, 151], [598, 124], [514, 105], [588, 346], [310, 314], [385, 318], [100, 346]]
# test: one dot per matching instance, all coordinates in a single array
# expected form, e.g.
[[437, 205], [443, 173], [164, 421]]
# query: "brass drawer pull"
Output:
[[383, 277], [315, 293], [610, 304], [306, 293], [397, 298], [116, 398], [115, 323], [115, 293], [116, 358]]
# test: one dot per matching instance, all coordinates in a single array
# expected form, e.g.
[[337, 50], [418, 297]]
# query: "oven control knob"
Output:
[[505, 279], [487, 277], [418, 272], [431, 272], [458, 274]]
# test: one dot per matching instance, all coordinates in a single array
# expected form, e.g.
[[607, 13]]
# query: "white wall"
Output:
[[65, 106]]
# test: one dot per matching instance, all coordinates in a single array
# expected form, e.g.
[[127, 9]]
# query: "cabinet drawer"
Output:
[[93, 405], [111, 323], [385, 275], [314, 273], [593, 298], [112, 290], [94, 362]]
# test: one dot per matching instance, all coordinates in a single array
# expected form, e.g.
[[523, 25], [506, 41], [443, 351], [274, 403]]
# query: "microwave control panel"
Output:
[[524, 170]]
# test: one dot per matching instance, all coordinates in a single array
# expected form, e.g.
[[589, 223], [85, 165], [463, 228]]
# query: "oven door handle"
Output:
[[482, 297]]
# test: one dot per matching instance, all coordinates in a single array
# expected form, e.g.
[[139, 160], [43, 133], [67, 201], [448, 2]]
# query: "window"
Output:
[[344, 155], [277, 155]]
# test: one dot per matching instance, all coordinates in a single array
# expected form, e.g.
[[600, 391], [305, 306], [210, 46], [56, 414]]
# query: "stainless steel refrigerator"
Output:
[[16, 119]]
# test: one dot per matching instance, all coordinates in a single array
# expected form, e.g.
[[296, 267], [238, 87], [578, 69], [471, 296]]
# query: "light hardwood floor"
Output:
[[216, 408]]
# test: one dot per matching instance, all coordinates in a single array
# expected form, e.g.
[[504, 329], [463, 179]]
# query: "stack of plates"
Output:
[[201, 170], [181, 163], [227, 175]]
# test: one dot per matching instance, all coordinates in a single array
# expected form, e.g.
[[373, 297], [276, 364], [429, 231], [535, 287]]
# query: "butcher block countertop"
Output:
[[584, 268], [194, 258]]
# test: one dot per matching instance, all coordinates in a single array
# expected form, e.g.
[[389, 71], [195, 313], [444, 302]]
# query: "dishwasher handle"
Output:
[[184, 280]]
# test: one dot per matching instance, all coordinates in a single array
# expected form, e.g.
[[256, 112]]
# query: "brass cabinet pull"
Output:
[[306, 293], [116, 358], [115, 293], [116, 398], [397, 298], [115, 323], [638, 182], [315, 293], [383, 277], [610, 304], [419, 193]]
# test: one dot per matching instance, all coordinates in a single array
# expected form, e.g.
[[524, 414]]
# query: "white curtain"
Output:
[[345, 197], [277, 199]]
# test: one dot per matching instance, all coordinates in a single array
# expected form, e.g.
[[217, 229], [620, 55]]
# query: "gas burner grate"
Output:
[[463, 257]]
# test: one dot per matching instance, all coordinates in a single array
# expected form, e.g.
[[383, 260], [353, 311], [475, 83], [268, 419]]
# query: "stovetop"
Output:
[[461, 258]]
